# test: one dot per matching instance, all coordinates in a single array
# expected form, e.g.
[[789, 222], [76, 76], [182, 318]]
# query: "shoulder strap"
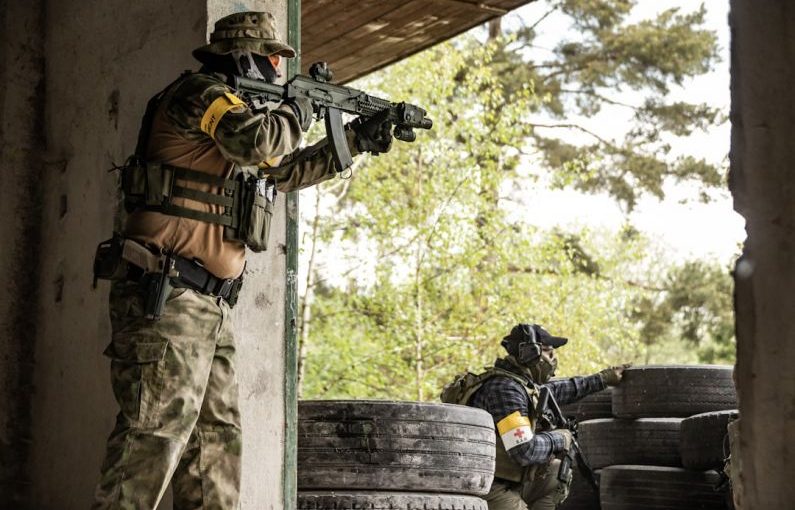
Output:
[[532, 391], [460, 391], [149, 115]]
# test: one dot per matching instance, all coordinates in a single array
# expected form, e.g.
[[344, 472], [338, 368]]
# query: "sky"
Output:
[[682, 229]]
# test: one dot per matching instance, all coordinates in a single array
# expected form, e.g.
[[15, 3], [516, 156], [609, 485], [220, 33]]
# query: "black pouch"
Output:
[[256, 197], [133, 183], [108, 261]]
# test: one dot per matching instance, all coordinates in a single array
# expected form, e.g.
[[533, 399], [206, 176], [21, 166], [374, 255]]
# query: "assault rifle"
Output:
[[330, 101], [549, 409]]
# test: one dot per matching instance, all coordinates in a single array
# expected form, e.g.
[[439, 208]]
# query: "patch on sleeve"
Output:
[[217, 110], [514, 430]]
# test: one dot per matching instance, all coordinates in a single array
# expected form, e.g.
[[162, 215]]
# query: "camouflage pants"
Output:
[[543, 492], [174, 380]]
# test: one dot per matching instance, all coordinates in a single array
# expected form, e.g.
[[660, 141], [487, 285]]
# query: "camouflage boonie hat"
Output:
[[253, 31]]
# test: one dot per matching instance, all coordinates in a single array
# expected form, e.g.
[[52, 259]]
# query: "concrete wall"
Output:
[[21, 116], [762, 180], [103, 61], [260, 325]]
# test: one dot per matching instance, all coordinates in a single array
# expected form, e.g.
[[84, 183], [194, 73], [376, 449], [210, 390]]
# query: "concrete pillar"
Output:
[[103, 61], [762, 181], [21, 116]]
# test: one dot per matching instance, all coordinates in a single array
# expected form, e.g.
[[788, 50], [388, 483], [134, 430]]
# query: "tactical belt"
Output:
[[151, 186], [244, 202], [193, 276], [182, 273]]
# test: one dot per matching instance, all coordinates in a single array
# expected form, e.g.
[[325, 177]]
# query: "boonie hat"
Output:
[[252, 31]]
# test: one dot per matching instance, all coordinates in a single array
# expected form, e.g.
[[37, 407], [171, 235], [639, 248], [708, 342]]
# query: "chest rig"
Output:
[[461, 390], [245, 199]]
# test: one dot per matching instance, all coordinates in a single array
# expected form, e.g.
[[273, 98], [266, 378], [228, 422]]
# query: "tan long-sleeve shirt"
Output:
[[241, 136]]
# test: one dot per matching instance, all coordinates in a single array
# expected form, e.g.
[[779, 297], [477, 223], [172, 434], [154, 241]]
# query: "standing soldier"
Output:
[[199, 189], [528, 455]]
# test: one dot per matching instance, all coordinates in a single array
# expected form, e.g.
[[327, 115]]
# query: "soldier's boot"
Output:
[[159, 373], [546, 491], [208, 475]]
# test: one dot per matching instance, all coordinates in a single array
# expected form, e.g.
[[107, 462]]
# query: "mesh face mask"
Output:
[[543, 370], [255, 67]]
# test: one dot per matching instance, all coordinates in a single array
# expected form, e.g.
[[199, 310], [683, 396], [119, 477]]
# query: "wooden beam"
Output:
[[499, 11]]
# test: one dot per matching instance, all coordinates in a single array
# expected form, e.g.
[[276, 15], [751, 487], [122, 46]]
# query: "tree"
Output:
[[437, 269], [694, 309], [604, 55]]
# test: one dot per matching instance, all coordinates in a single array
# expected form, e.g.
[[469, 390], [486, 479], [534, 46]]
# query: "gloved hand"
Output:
[[373, 135], [303, 110], [612, 376], [567, 439]]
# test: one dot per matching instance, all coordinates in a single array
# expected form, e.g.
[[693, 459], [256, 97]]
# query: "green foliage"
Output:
[[605, 54], [695, 307], [439, 270]]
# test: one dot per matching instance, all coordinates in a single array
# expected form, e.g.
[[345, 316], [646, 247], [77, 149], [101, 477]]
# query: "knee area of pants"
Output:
[[229, 437]]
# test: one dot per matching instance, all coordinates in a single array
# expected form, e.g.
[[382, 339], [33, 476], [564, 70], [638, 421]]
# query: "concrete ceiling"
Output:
[[357, 37]]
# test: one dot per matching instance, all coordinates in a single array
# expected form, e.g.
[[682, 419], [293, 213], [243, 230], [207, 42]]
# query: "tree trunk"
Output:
[[495, 28], [419, 336], [308, 298]]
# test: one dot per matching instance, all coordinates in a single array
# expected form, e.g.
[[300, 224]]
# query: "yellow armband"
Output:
[[514, 430], [270, 163], [217, 110]]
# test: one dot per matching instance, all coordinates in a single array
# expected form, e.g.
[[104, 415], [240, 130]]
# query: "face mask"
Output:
[[266, 68], [543, 370], [255, 67]]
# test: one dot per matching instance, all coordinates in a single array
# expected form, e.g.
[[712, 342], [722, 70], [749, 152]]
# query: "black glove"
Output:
[[303, 110], [373, 135]]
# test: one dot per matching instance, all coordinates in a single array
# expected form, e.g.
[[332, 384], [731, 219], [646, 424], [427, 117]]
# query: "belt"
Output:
[[191, 275]]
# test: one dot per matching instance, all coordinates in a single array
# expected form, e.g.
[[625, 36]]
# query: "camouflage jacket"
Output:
[[246, 137]]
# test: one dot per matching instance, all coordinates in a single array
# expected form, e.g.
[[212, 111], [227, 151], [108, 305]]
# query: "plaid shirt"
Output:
[[501, 396]]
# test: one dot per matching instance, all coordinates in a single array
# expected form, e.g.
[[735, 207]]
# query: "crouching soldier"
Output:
[[529, 452]]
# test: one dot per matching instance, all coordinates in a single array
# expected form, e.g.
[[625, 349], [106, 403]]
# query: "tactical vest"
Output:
[[460, 391], [247, 197]]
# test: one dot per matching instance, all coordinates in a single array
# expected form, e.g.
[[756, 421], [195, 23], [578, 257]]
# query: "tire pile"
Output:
[[656, 440], [393, 456]]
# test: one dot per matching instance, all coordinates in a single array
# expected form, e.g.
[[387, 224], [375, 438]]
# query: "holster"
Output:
[[108, 261], [157, 287], [121, 259]]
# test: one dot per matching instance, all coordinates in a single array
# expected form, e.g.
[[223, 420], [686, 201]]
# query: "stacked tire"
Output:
[[393, 455], [663, 442]]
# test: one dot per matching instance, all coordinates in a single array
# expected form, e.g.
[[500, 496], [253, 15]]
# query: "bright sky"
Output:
[[684, 229]]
